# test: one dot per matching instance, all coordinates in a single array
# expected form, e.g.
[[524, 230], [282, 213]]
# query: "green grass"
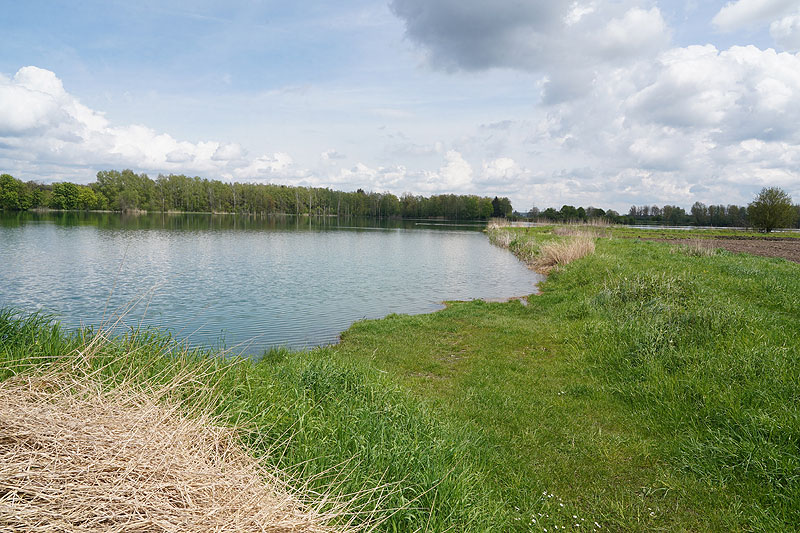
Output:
[[647, 389], [334, 427], [695, 233], [643, 389]]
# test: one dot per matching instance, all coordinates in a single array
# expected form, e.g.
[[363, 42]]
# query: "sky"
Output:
[[603, 103]]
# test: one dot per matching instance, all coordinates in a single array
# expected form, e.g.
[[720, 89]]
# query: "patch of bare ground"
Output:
[[786, 248]]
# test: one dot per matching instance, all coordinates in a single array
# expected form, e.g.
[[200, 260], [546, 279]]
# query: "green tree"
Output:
[[569, 213], [772, 208], [87, 199], [700, 214], [501, 207], [9, 192], [65, 196]]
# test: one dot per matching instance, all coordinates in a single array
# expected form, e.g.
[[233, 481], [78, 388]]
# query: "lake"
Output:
[[247, 283]]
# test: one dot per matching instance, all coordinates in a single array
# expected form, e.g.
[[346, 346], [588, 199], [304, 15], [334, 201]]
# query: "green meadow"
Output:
[[646, 388]]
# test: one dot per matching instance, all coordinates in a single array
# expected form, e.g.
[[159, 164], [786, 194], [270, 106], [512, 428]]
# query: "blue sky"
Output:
[[591, 102]]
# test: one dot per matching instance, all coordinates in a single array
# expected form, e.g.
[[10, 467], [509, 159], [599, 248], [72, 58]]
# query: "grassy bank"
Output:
[[655, 232], [646, 388], [338, 429], [649, 387]]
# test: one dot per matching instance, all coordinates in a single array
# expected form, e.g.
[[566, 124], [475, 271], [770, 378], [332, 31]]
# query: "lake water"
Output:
[[248, 283]]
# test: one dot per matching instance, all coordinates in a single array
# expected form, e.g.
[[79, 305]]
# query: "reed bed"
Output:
[[76, 457], [548, 253], [555, 254]]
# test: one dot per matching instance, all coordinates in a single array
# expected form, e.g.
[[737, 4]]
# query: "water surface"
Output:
[[246, 282]]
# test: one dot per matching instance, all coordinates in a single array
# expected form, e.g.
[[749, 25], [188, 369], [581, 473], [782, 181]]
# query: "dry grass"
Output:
[[544, 257], [697, 248], [559, 253], [500, 237], [76, 457], [594, 228], [496, 223]]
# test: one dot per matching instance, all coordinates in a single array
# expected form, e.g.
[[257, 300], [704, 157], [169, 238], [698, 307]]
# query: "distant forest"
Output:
[[699, 215], [127, 191]]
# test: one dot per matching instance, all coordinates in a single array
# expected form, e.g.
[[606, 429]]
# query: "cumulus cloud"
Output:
[[476, 35], [228, 152], [637, 32], [725, 119], [675, 125], [693, 123], [786, 32], [501, 174], [331, 155], [269, 167], [567, 42], [456, 174], [532, 35], [34, 100], [40, 120], [742, 13]]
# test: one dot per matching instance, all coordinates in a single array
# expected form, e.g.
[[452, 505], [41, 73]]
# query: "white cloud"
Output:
[[635, 33], [725, 119], [228, 152], [533, 35], [501, 173], [33, 99], [331, 155], [578, 11], [40, 120], [786, 32], [673, 126], [743, 13], [269, 167], [454, 176]]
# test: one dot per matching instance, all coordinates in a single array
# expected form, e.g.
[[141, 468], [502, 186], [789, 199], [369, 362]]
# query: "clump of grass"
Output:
[[497, 223], [643, 288], [543, 254], [696, 248], [500, 237], [578, 231], [556, 254], [596, 227], [76, 456]]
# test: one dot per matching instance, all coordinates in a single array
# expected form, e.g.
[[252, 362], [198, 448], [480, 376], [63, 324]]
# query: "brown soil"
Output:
[[785, 248]]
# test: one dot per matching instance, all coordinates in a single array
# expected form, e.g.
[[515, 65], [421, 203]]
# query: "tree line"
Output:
[[128, 191], [700, 214]]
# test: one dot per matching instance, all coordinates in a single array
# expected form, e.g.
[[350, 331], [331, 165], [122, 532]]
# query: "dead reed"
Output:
[[77, 456], [594, 228], [559, 253], [696, 248]]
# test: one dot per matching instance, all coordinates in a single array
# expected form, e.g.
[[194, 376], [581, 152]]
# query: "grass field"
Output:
[[646, 388]]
